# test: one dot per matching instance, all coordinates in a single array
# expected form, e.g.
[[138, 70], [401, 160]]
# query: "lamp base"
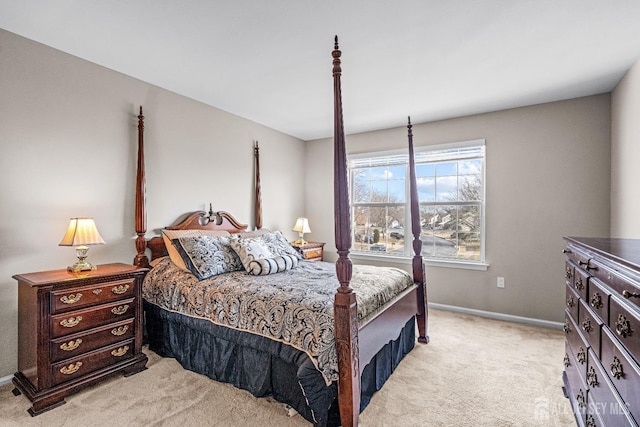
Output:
[[300, 242], [82, 264]]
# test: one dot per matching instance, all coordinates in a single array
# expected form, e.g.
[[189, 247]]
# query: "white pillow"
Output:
[[250, 249]]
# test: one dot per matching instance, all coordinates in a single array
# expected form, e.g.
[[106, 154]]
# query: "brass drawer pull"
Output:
[[586, 325], [68, 370], [566, 328], [579, 284], [120, 351], [591, 422], [97, 291], [586, 265], [616, 368], [582, 356], [71, 345], [120, 310], [567, 362], [120, 331], [596, 301], [71, 299], [571, 302], [582, 401], [628, 294], [623, 326], [592, 377], [568, 273], [71, 322], [119, 290]]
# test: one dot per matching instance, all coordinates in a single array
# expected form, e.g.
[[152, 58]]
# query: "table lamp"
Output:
[[81, 232], [302, 226]]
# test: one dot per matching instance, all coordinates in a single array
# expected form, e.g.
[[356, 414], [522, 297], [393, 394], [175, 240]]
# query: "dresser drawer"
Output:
[[577, 388], [572, 301], [82, 365], [624, 322], [598, 299], [623, 372], [605, 403], [624, 286], [577, 344], [590, 326], [83, 342], [78, 297], [80, 320], [581, 282]]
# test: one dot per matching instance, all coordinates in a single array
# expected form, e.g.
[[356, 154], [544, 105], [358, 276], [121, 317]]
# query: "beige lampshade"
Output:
[[302, 226], [82, 232]]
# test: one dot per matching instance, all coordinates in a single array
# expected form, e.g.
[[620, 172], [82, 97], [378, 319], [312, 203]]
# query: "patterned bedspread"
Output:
[[294, 307]]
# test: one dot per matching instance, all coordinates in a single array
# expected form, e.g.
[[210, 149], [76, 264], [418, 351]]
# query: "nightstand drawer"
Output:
[[71, 299], [312, 253], [80, 320], [76, 367], [73, 345]]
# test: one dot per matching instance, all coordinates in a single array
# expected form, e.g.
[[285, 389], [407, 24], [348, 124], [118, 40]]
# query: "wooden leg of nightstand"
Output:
[[16, 391]]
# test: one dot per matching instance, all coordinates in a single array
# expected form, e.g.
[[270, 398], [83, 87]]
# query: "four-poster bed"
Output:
[[366, 342]]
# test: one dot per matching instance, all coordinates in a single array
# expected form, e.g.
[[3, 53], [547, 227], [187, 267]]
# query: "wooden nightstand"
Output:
[[75, 329], [311, 251]]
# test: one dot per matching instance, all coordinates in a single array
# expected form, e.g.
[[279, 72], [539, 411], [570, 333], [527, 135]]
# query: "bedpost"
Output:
[[345, 306], [418, 265], [258, 201], [141, 259]]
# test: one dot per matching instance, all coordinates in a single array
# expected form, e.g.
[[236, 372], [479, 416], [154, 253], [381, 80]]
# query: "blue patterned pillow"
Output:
[[207, 256], [264, 266]]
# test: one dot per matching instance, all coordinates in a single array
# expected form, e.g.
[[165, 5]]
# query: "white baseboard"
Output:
[[497, 316], [6, 380]]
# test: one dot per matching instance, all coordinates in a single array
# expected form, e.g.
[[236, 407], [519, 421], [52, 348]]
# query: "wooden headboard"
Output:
[[198, 220]]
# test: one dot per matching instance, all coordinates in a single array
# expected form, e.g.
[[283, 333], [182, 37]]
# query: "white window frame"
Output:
[[480, 264]]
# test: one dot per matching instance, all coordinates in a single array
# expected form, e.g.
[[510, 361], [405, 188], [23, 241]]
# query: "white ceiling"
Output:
[[270, 61]]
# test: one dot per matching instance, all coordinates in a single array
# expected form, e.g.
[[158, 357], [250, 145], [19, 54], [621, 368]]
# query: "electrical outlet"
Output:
[[500, 282]]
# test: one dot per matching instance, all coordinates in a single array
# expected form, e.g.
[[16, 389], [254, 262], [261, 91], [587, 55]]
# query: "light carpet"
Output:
[[474, 372]]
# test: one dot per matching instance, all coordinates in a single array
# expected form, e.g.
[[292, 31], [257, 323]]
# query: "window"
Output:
[[451, 192]]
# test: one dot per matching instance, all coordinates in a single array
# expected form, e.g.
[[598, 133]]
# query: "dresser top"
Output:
[[624, 251], [44, 278]]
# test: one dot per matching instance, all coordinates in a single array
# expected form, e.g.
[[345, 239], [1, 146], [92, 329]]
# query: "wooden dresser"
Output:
[[311, 251], [602, 327], [75, 329]]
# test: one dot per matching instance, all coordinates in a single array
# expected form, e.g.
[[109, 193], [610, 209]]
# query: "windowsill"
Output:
[[464, 265]]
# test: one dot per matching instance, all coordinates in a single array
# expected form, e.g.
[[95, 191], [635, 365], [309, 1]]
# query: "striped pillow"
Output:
[[264, 266]]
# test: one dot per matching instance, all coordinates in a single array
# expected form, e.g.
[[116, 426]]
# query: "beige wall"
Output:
[[547, 176], [625, 156], [68, 139]]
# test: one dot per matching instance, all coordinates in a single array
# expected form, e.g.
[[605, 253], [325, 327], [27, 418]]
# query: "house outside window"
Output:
[[451, 190]]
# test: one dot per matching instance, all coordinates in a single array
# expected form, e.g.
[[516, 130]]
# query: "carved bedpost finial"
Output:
[[336, 57]]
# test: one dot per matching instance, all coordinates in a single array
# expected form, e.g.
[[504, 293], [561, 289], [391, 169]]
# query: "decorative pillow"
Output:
[[169, 235], [253, 233], [250, 249], [279, 245], [264, 266], [207, 256]]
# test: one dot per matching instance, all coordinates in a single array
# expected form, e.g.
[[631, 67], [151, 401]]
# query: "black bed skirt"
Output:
[[262, 366]]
